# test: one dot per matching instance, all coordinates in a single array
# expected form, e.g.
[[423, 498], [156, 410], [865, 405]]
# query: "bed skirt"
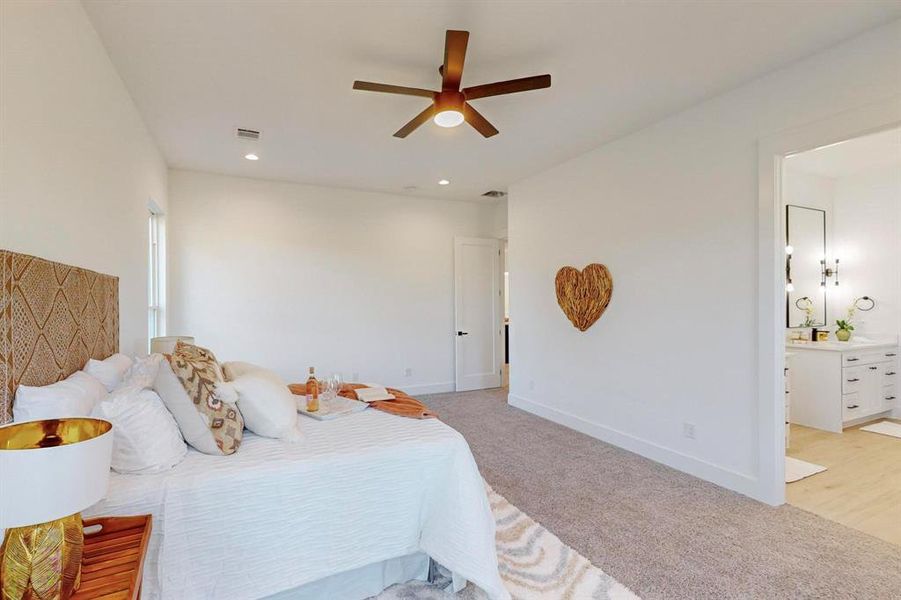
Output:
[[363, 582]]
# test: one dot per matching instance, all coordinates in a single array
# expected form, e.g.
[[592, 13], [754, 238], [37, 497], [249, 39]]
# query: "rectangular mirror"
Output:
[[805, 235]]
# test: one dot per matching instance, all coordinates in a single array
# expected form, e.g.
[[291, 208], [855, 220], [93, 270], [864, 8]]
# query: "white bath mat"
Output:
[[796, 470], [885, 428]]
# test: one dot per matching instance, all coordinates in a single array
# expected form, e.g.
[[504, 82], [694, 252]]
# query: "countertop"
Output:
[[834, 346]]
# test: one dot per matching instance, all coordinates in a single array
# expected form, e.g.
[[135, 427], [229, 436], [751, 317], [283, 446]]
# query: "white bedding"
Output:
[[274, 516]]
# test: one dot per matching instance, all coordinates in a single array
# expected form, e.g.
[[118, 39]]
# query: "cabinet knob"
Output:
[[891, 373], [853, 359], [873, 368], [853, 406], [889, 397], [890, 354], [853, 380]]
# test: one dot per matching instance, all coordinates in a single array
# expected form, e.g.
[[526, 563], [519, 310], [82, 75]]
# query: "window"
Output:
[[155, 274]]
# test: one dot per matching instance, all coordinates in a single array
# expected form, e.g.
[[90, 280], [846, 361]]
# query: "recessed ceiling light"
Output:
[[251, 156], [443, 182]]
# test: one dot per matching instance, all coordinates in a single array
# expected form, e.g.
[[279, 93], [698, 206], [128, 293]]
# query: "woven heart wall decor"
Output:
[[584, 295]]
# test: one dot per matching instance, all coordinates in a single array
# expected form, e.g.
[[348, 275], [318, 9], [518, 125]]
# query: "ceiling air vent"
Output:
[[494, 194], [247, 134]]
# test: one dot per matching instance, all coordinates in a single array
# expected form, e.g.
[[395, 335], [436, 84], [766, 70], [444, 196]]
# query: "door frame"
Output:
[[771, 270], [497, 293]]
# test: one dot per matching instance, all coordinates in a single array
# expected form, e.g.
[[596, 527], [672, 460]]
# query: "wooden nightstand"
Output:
[[113, 559]]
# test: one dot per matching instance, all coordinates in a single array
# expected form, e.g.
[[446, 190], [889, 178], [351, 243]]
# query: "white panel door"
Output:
[[478, 308]]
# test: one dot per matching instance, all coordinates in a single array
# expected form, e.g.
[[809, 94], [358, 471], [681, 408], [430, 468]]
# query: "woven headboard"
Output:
[[53, 318]]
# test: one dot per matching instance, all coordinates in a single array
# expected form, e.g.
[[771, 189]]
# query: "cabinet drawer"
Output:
[[868, 357], [890, 397], [852, 379], [852, 408], [890, 375]]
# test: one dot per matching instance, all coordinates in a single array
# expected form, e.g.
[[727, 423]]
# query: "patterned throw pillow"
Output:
[[207, 423]]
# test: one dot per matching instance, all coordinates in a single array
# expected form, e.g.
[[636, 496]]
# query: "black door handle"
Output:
[[462, 333]]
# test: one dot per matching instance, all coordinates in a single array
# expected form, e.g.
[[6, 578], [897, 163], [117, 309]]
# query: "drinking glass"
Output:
[[327, 394], [336, 381]]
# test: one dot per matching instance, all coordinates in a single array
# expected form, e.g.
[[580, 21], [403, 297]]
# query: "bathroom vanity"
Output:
[[838, 384]]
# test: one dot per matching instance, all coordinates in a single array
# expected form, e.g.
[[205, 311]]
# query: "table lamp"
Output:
[[166, 344], [50, 471]]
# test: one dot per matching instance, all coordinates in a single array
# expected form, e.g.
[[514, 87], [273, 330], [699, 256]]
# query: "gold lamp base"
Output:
[[42, 562]]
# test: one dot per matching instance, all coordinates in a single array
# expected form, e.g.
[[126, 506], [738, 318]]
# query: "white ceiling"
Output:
[[198, 69], [852, 157]]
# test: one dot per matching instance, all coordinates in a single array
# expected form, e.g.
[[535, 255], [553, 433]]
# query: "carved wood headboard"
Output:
[[53, 318]]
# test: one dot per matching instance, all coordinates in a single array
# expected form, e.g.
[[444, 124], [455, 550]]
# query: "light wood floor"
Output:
[[862, 486]]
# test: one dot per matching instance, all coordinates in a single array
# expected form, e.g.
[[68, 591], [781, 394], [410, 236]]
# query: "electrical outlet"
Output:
[[408, 372], [688, 430]]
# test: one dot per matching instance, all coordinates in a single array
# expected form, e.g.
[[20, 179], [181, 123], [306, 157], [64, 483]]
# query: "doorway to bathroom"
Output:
[[841, 209]]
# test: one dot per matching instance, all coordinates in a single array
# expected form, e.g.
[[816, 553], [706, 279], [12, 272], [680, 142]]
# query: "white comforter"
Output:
[[275, 515]]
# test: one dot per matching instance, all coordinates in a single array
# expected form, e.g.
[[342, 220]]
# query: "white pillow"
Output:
[[109, 371], [143, 371], [74, 396], [234, 369], [267, 405], [145, 436]]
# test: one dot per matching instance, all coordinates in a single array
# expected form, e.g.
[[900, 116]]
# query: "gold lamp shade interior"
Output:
[[52, 469], [51, 433]]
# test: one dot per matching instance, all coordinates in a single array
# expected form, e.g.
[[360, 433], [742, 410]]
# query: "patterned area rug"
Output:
[[534, 564]]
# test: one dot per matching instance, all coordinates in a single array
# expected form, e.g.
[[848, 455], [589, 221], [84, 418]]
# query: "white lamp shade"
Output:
[[43, 484], [166, 344]]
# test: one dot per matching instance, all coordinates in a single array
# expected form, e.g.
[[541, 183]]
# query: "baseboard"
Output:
[[427, 388], [738, 482]]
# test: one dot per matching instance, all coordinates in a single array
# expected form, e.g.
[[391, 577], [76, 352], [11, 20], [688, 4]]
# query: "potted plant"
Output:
[[843, 333]]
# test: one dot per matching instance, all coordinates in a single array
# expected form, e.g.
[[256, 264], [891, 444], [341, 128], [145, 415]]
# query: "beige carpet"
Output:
[[660, 532]]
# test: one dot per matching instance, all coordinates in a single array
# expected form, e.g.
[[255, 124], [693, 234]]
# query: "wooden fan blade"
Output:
[[507, 87], [368, 86], [454, 54], [480, 123], [415, 122]]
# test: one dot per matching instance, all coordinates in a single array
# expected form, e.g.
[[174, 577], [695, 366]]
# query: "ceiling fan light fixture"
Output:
[[448, 118]]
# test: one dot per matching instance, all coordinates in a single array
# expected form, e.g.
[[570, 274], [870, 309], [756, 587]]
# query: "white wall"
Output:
[[291, 276], [672, 210], [77, 165], [868, 243]]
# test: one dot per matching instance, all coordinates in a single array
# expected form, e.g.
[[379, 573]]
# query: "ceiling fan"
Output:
[[450, 107]]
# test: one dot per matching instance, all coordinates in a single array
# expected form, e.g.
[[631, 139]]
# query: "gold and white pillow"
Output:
[[187, 383]]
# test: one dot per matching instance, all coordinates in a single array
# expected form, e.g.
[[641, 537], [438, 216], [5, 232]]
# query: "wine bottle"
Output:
[[312, 392]]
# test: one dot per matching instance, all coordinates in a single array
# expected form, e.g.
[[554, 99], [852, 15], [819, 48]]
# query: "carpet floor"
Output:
[[663, 533]]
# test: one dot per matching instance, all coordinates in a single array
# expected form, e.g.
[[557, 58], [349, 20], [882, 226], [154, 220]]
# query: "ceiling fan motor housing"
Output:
[[449, 100]]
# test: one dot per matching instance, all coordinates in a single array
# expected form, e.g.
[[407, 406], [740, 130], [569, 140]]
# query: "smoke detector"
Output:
[[247, 134], [494, 194]]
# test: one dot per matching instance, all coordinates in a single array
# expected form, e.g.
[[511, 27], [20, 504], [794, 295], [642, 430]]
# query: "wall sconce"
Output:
[[789, 286], [828, 272]]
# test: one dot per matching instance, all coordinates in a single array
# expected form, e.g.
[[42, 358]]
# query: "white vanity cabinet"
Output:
[[788, 397], [836, 384]]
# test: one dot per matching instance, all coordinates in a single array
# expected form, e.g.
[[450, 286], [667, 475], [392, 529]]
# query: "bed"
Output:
[[360, 503]]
